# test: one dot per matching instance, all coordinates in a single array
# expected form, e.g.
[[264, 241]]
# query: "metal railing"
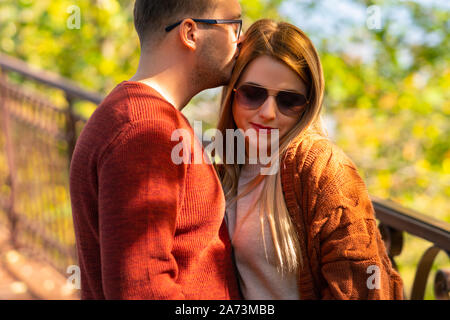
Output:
[[395, 220], [37, 139]]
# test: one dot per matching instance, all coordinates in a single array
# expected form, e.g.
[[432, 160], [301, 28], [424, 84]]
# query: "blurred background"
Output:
[[387, 106]]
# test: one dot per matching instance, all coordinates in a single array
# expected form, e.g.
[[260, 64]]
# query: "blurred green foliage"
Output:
[[391, 109]]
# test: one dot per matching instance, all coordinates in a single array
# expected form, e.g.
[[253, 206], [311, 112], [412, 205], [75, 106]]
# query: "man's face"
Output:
[[218, 52]]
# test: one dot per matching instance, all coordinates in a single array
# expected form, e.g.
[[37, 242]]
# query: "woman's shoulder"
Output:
[[321, 163], [330, 179], [317, 152]]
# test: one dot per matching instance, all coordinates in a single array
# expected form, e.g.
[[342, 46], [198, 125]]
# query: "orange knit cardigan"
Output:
[[343, 254]]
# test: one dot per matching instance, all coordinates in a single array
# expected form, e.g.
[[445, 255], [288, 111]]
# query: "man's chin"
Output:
[[221, 77], [227, 77], [223, 80]]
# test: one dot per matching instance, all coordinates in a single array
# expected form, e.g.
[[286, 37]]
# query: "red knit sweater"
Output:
[[146, 228]]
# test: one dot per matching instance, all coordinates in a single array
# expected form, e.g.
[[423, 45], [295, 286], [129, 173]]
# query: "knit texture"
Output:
[[335, 220], [146, 228]]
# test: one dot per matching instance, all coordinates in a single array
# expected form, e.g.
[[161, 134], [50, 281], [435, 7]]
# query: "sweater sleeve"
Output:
[[352, 256], [140, 195]]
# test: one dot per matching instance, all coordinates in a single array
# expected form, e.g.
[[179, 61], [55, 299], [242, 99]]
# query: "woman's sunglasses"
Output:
[[252, 96]]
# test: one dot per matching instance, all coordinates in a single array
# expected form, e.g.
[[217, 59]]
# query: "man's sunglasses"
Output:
[[252, 97], [211, 21]]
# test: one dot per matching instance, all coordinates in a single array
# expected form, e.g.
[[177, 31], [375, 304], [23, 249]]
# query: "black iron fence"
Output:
[[37, 139]]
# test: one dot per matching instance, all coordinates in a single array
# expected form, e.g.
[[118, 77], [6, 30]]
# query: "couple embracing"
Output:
[[150, 228]]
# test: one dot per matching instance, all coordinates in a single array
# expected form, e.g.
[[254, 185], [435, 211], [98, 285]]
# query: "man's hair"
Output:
[[151, 17]]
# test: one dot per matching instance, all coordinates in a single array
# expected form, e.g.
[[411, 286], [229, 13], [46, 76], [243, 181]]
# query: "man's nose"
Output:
[[238, 49], [237, 52], [239, 45], [240, 39]]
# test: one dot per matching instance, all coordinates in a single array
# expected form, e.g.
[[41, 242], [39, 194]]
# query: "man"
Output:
[[147, 228]]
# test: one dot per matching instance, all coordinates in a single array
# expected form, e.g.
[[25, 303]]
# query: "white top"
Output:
[[258, 278]]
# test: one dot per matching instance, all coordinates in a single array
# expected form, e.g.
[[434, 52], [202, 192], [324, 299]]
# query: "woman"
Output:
[[308, 231]]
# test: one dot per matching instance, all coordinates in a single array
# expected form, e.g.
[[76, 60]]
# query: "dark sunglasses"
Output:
[[252, 97], [211, 21]]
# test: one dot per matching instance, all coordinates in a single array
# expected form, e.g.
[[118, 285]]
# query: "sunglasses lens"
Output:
[[290, 103], [251, 97]]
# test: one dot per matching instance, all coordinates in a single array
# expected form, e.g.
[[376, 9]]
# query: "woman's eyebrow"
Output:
[[253, 83], [260, 85]]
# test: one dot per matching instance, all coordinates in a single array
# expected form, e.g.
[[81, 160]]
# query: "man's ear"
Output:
[[188, 32]]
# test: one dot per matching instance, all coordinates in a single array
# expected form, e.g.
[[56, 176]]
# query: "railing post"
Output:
[[422, 272], [442, 284], [393, 240], [71, 135], [11, 180]]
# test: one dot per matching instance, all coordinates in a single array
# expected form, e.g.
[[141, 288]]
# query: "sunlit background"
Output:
[[387, 85]]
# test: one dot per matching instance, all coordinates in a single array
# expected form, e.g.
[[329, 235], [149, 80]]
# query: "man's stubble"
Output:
[[211, 70]]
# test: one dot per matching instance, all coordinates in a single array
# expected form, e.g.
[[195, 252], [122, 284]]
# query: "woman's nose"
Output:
[[268, 111]]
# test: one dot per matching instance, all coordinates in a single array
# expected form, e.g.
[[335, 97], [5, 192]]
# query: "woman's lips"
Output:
[[259, 127]]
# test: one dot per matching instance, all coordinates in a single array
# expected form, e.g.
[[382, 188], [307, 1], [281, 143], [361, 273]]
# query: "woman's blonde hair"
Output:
[[286, 43]]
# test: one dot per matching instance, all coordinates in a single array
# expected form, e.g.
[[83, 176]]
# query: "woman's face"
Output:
[[267, 72]]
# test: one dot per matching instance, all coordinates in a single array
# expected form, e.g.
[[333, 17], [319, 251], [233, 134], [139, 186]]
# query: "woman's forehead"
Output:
[[270, 72]]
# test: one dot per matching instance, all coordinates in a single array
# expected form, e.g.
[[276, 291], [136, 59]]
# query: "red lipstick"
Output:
[[258, 127]]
